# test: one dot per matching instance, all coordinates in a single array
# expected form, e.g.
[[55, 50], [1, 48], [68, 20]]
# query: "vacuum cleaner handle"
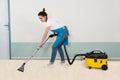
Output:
[[36, 50], [21, 68], [96, 51], [43, 43], [82, 54], [52, 35], [33, 53]]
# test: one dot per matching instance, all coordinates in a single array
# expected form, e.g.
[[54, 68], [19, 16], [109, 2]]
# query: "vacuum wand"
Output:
[[21, 68]]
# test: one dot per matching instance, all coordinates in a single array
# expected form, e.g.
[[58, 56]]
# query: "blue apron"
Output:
[[62, 38]]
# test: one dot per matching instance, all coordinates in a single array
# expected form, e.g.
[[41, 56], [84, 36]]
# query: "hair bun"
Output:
[[43, 9]]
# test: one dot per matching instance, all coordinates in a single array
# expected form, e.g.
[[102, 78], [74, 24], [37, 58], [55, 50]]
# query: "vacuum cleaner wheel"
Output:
[[104, 67], [89, 67]]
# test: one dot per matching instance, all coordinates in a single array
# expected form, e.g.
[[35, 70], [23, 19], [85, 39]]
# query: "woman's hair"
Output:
[[42, 13]]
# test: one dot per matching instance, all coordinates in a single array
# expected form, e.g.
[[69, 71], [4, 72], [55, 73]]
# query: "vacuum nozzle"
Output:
[[21, 68]]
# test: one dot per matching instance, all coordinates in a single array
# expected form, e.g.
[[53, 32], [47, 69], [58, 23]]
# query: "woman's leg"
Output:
[[61, 54], [64, 40], [57, 46], [53, 56]]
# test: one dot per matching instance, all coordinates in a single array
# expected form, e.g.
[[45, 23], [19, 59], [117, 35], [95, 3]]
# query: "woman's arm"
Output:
[[44, 35]]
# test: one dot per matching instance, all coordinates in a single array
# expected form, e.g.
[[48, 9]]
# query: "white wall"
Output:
[[116, 19], [4, 34], [88, 20]]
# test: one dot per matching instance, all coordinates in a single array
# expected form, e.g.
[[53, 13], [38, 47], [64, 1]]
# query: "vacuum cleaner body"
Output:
[[96, 59]]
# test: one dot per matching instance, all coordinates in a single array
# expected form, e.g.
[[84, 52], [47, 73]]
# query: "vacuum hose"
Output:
[[73, 57]]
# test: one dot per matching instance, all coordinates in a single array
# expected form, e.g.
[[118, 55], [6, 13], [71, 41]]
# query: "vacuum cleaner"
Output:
[[93, 59]]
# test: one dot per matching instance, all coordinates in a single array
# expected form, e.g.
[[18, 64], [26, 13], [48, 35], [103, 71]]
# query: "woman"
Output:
[[62, 38]]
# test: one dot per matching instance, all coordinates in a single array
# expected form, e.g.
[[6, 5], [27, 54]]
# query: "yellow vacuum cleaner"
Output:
[[96, 59], [93, 59]]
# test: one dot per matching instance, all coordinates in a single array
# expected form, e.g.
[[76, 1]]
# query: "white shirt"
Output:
[[53, 24]]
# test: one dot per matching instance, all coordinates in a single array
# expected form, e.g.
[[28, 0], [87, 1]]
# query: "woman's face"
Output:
[[42, 18]]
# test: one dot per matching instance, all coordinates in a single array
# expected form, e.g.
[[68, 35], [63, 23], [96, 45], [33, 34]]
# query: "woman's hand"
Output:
[[41, 44]]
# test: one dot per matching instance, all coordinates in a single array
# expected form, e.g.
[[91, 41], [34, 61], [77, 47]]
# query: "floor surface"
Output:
[[37, 70]]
